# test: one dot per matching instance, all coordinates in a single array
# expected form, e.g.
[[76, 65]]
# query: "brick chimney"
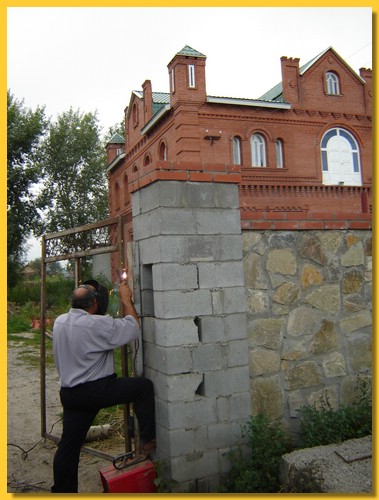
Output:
[[366, 75], [290, 79], [147, 100]]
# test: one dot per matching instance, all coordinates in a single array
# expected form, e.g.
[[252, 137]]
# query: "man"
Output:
[[83, 343]]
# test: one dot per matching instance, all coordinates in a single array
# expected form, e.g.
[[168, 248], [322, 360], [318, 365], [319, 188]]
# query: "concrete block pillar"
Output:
[[189, 271]]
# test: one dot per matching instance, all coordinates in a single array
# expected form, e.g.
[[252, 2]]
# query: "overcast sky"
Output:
[[91, 58]]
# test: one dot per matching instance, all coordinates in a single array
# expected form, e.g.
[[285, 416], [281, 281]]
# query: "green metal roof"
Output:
[[189, 51], [116, 139]]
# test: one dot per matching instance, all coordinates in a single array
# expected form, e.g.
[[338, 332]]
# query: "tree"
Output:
[[24, 131], [74, 192]]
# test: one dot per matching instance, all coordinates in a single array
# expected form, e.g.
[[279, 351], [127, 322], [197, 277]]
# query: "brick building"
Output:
[[301, 153], [249, 231]]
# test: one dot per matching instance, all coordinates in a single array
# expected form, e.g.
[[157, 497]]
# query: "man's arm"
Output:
[[127, 302]]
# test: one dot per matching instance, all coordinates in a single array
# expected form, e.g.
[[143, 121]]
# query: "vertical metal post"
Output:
[[124, 348], [77, 272], [43, 339]]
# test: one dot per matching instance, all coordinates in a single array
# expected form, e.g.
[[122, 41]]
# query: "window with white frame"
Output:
[[279, 153], [332, 83], [191, 76], [236, 150], [258, 150], [340, 158]]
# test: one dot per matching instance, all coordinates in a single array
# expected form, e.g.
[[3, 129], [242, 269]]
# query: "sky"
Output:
[[92, 58]]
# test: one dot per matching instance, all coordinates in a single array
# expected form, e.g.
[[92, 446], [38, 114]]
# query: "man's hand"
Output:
[[126, 301]]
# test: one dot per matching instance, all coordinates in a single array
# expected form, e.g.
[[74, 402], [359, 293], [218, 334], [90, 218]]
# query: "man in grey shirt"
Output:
[[83, 344]]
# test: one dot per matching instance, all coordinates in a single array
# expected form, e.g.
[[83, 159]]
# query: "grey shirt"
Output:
[[83, 344]]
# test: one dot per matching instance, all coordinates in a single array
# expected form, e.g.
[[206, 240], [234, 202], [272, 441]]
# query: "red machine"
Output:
[[138, 477]]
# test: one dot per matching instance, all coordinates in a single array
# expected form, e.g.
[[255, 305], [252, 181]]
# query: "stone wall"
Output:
[[309, 317]]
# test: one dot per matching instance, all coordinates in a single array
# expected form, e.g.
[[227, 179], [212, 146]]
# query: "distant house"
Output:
[[28, 272]]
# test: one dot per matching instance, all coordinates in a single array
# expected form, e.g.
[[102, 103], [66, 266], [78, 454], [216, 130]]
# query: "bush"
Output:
[[258, 471], [322, 425]]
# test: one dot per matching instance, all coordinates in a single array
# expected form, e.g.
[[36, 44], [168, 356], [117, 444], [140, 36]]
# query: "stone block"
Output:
[[180, 387], [236, 352], [268, 396], [303, 375], [198, 465], [191, 414], [223, 435]]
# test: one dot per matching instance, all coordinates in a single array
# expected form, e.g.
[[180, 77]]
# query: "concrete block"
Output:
[[217, 221], [179, 387], [199, 194], [227, 196], [190, 414], [219, 248], [223, 328], [229, 300], [198, 465], [176, 221], [170, 332], [175, 276], [207, 357], [223, 435], [179, 304], [220, 274], [170, 361], [182, 441], [226, 382], [237, 352]]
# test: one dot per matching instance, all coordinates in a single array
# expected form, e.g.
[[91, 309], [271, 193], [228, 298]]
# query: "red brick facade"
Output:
[[304, 180]]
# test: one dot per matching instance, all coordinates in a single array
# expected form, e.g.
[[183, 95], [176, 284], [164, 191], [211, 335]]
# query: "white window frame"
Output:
[[236, 150], [191, 76], [258, 151], [173, 80], [330, 177], [332, 83], [279, 153]]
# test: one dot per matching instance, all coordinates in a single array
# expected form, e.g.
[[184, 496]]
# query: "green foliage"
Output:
[[24, 131], [75, 191], [58, 292], [322, 425], [258, 471]]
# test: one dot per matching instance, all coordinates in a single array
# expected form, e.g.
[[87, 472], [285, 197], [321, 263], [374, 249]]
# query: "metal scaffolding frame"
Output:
[[102, 237]]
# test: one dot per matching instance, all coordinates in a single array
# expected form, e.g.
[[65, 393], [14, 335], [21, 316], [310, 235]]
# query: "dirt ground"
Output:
[[30, 456]]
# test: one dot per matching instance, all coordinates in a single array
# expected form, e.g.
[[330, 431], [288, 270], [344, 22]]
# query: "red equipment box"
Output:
[[138, 478]]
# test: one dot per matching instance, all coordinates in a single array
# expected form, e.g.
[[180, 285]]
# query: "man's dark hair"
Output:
[[84, 300]]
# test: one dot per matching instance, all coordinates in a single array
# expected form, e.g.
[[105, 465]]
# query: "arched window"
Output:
[[162, 151], [340, 158], [332, 83], [135, 169], [279, 153], [237, 158], [147, 159], [258, 151]]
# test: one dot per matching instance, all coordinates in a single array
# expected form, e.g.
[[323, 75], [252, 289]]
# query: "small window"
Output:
[[147, 159], [332, 83], [191, 76], [173, 80], [117, 196], [236, 151], [258, 151], [279, 153], [163, 151]]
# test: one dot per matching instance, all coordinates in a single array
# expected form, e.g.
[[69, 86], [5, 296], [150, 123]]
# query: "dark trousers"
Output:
[[80, 406]]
